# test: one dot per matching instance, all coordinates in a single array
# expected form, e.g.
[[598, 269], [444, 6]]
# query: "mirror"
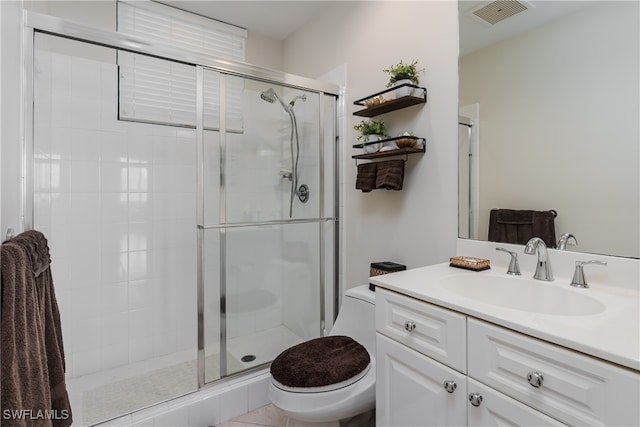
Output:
[[549, 106]]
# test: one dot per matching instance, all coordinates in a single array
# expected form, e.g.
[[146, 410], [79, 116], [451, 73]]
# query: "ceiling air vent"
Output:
[[497, 11]]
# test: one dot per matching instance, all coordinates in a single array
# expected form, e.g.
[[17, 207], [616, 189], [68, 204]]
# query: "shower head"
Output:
[[271, 96], [293, 101]]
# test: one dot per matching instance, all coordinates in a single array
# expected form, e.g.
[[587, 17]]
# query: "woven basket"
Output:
[[384, 267]]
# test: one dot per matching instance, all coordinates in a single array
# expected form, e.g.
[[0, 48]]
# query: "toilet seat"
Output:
[[320, 365]]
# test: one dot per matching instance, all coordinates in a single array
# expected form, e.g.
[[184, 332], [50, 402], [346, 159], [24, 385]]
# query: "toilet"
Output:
[[313, 389]]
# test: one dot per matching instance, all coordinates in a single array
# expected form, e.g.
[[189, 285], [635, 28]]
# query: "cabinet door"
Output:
[[496, 409], [410, 389]]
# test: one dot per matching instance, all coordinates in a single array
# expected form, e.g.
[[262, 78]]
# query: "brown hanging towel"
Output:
[[366, 178], [390, 174], [33, 390], [518, 226]]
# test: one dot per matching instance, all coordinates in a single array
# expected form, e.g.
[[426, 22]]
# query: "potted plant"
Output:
[[371, 131], [402, 73]]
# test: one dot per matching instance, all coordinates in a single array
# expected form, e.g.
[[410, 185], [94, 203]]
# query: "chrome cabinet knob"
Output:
[[450, 386], [535, 379], [475, 399], [409, 326]]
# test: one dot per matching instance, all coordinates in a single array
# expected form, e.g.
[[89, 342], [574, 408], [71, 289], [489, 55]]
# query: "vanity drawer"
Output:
[[430, 330], [575, 389]]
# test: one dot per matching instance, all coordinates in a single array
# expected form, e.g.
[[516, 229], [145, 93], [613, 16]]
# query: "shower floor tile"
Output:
[[114, 392]]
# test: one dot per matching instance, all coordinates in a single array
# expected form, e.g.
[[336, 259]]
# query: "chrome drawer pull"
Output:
[[409, 326], [450, 386], [475, 399], [535, 379]]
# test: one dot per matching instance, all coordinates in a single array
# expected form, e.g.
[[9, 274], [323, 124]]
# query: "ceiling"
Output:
[[280, 19], [475, 35]]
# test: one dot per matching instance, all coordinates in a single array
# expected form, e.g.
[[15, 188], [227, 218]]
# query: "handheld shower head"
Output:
[[271, 96]]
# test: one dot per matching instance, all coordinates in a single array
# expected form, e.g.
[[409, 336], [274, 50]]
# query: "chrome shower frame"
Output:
[[38, 23]]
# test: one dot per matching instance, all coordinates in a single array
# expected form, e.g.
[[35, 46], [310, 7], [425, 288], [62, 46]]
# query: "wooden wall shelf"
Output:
[[391, 104]]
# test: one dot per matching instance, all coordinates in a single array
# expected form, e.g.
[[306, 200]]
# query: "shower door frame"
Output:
[[40, 23]]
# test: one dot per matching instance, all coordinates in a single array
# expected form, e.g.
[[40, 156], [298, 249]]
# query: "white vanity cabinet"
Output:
[[502, 377], [414, 390], [569, 386], [411, 388]]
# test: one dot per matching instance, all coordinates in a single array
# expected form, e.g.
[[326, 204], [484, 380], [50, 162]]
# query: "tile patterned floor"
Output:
[[266, 416]]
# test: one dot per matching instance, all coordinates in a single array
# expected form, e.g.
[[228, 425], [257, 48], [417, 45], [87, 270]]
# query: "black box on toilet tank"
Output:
[[384, 267]]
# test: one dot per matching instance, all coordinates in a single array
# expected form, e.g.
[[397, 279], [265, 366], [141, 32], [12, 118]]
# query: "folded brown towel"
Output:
[[32, 361], [390, 174], [518, 226], [37, 249], [366, 178]]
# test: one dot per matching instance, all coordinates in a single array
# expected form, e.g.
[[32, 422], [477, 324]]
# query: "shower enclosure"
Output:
[[193, 236]]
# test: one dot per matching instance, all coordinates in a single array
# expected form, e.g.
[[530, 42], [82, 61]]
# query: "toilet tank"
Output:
[[357, 317]]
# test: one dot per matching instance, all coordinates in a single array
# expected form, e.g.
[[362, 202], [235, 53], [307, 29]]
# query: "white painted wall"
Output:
[[418, 225], [572, 90]]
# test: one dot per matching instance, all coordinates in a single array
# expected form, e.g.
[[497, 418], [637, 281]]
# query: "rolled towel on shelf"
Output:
[[390, 174], [366, 178]]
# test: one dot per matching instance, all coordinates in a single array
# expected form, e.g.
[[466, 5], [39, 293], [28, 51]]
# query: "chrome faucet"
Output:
[[543, 268], [565, 239], [514, 268]]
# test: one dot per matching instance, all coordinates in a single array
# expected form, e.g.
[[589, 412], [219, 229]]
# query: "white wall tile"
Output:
[[140, 323], [140, 292], [115, 328], [85, 144], [140, 349], [85, 208], [114, 207], [140, 178], [141, 207], [114, 298], [86, 336], [114, 178], [85, 112], [60, 142], [113, 146], [140, 236], [84, 177], [86, 362], [114, 355], [140, 265]]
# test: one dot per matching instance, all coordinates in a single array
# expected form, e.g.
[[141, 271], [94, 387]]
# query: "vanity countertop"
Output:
[[612, 334]]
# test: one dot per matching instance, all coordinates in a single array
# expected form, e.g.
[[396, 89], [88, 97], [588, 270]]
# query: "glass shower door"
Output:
[[262, 253]]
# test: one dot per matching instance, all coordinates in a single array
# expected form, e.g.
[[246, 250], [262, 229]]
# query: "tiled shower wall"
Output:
[[117, 201]]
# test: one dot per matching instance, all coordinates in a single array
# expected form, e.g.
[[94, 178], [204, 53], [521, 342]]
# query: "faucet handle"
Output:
[[579, 281], [514, 268]]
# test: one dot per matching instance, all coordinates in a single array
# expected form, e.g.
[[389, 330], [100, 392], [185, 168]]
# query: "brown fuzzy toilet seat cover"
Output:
[[320, 362]]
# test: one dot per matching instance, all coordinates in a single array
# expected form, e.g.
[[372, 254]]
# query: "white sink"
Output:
[[518, 293]]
